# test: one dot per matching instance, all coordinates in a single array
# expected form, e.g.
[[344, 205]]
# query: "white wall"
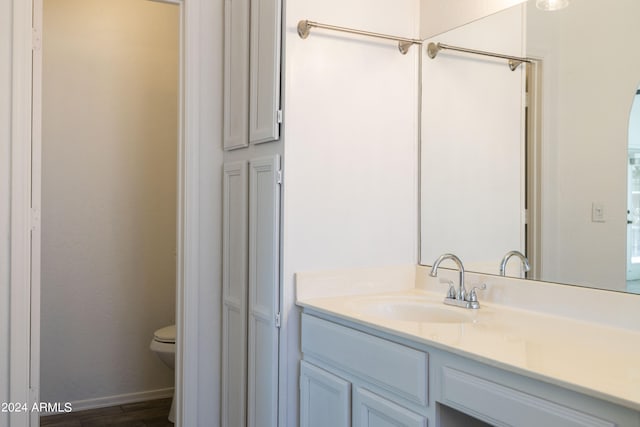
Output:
[[350, 180], [585, 131], [209, 47], [438, 16], [5, 185], [110, 116]]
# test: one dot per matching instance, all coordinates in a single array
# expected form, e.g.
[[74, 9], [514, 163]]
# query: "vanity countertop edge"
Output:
[[581, 354]]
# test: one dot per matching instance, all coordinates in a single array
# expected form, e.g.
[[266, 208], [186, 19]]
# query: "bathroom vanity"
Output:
[[380, 353]]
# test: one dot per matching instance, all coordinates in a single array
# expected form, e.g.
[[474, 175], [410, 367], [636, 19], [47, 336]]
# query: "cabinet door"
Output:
[[236, 74], [324, 398], [234, 294], [264, 290], [371, 410], [264, 71]]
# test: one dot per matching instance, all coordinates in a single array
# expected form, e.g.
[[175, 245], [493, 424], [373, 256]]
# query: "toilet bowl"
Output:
[[164, 345]]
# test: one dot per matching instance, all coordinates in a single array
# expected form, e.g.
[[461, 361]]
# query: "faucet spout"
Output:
[[525, 262], [462, 292]]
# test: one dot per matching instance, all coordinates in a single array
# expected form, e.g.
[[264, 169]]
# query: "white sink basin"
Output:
[[409, 310]]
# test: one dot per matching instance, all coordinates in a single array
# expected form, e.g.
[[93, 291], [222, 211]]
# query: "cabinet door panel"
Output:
[[234, 294], [324, 398], [371, 410], [264, 88], [236, 74], [264, 290]]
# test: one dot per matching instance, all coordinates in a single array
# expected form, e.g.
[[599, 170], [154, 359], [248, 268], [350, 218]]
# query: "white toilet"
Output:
[[164, 345]]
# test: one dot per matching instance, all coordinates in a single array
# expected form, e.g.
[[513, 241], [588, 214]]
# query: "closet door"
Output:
[[234, 295], [264, 90], [264, 295], [236, 74]]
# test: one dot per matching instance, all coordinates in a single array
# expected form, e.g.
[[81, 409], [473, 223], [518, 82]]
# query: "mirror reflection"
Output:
[[554, 173]]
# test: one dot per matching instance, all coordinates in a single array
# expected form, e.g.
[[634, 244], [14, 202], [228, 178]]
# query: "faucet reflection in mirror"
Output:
[[503, 264]]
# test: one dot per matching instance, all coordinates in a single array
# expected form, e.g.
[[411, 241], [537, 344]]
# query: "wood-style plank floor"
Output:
[[152, 413]]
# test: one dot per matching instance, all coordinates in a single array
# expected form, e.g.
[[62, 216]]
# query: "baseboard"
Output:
[[102, 402]]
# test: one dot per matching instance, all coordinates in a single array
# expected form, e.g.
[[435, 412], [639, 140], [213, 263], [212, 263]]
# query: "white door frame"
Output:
[[20, 276], [24, 333]]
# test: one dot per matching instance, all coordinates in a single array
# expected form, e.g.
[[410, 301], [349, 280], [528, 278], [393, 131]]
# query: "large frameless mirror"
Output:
[[554, 177]]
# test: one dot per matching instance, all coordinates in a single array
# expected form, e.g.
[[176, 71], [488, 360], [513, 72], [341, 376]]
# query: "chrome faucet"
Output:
[[462, 292], [525, 262], [460, 298]]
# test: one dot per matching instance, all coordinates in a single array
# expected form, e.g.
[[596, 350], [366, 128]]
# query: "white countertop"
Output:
[[596, 358]]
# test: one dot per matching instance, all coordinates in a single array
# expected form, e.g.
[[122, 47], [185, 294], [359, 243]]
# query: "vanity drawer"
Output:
[[501, 405], [393, 367]]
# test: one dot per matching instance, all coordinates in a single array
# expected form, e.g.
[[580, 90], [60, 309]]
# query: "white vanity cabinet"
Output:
[[357, 375], [326, 400], [503, 398], [350, 378]]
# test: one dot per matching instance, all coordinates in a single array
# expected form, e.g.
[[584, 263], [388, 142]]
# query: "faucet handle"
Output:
[[451, 293], [473, 297]]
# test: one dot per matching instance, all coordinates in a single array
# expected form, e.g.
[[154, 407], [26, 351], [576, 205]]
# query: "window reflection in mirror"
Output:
[[633, 199]]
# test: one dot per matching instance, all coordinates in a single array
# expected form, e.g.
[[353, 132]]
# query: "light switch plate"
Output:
[[597, 212]]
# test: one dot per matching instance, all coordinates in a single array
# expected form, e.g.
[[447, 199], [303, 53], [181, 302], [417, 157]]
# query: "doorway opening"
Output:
[[110, 108]]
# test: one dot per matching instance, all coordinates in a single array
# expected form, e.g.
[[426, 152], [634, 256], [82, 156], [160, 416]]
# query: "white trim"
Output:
[[534, 164], [20, 328], [188, 220], [36, 200], [120, 399]]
